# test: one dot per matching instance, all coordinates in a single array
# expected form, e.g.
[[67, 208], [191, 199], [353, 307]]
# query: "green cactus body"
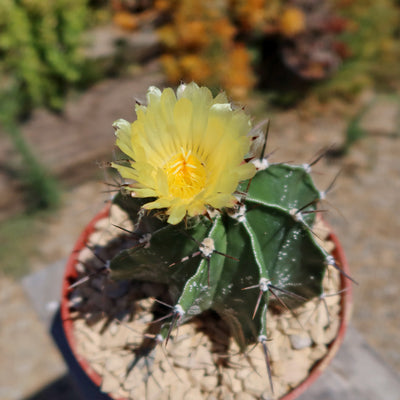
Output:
[[239, 261]]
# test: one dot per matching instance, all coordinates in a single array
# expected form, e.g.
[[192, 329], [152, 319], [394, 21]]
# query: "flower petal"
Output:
[[176, 214], [123, 134]]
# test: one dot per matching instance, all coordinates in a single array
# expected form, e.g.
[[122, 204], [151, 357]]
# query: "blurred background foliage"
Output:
[[282, 49], [372, 39], [41, 58], [332, 46], [40, 47]]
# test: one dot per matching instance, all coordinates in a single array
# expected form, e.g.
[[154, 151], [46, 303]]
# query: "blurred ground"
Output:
[[366, 195]]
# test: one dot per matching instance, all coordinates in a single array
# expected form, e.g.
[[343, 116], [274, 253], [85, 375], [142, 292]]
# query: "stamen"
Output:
[[186, 175]]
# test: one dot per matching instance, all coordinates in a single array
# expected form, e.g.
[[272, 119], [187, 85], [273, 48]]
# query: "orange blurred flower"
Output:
[[292, 22], [126, 20], [224, 30], [237, 77], [195, 68], [171, 68], [193, 34]]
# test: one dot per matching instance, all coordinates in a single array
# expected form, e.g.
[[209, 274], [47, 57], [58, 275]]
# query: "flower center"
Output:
[[186, 175]]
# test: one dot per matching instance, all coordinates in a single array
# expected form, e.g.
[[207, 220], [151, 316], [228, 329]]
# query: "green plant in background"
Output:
[[40, 188], [40, 48], [40, 59], [371, 38], [225, 230]]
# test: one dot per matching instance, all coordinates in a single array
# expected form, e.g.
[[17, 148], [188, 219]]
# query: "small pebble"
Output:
[[209, 383], [255, 384], [299, 342]]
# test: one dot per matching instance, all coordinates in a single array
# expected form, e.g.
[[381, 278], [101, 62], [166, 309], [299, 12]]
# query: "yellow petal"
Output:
[[176, 214], [160, 203], [123, 134]]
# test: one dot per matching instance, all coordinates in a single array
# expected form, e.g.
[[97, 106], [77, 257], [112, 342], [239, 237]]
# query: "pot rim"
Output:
[[71, 274], [345, 311]]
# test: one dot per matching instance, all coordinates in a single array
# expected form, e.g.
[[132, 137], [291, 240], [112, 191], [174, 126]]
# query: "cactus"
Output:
[[256, 251]]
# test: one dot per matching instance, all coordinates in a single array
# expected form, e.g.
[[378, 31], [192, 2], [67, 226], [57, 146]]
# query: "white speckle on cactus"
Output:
[[282, 255], [260, 164], [207, 247], [284, 193], [283, 279], [194, 310]]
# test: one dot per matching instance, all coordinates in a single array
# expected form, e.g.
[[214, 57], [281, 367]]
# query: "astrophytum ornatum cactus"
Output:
[[223, 228]]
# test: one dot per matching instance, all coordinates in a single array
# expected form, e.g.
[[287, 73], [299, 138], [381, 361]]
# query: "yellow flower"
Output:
[[186, 150]]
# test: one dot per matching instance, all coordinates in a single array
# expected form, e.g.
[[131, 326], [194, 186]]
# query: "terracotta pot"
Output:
[[71, 275]]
